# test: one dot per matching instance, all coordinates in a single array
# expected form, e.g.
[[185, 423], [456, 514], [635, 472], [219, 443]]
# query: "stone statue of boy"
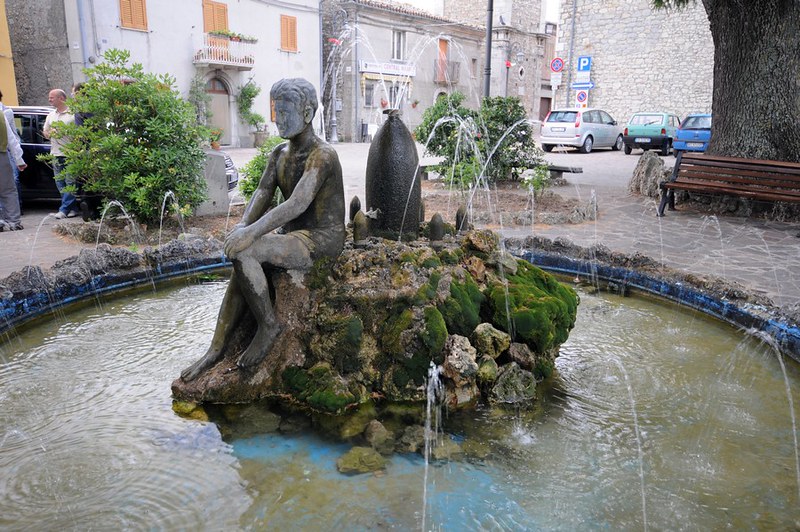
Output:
[[308, 174]]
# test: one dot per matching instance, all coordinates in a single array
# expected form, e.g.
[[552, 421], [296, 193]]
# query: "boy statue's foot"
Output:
[[192, 372], [260, 346]]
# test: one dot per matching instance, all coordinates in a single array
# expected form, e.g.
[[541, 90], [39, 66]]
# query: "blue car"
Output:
[[693, 134]]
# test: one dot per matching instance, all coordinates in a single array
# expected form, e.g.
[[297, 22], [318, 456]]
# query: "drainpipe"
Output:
[[487, 68], [356, 92], [82, 28], [321, 69], [571, 47]]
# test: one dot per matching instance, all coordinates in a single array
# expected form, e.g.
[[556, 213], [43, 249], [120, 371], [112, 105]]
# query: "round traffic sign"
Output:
[[581, 96], [557, 64]]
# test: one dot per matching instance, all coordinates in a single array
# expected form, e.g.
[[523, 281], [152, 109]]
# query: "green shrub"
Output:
[[139, 139], [466, 139], [252, 171]]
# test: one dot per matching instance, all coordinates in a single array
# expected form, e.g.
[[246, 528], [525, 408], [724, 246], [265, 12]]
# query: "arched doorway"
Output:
[[220, 108]]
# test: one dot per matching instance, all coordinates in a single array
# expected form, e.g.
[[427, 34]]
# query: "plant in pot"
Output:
[[214, 136], [415, 103], [244, 101]]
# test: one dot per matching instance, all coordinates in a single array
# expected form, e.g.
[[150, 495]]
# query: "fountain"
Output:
[[628, 415]]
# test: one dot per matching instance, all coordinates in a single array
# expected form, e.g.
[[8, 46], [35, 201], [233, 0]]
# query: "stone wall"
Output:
[[38, 32], [642, 59]]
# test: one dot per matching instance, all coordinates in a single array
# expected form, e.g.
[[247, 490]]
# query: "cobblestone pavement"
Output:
[[761, 255]]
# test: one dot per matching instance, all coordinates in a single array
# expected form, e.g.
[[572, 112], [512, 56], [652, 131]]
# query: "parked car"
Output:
[[36, 181], [693, 134], [584, 129], [650, 131]]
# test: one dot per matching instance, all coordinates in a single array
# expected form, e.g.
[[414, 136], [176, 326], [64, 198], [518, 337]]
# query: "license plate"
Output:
[[559, 129], [642, 139], [694, 144]]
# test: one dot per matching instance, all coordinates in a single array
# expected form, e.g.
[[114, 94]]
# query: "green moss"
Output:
[[435, 333], [320, 387], [461, 311], [408, 256], [319, 275], [431, 262], [542, 310], [427, 291], [451, 256], [394, 327], [544, 368]]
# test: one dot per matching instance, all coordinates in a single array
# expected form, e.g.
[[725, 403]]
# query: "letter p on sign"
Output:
[[584, 63]]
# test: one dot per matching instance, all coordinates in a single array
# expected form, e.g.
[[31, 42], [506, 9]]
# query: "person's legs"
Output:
[[16, 179], [271, 251], [230, 312], [69, 204], [8, 197]]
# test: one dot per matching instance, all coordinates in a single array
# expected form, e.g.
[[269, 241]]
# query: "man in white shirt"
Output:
[[9, 113], [9, 143], [61, 113]]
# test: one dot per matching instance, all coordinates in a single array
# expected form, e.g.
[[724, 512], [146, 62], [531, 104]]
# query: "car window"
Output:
[[697, 122], [562, 116], [588, 117], [606, 118], [29, 127], [646, 120]]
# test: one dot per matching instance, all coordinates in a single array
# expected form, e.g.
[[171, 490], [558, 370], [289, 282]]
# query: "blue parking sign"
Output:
[[584, 63]]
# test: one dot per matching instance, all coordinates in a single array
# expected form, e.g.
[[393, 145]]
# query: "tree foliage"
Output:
[[494, 143], [253, 170], [139, 139]]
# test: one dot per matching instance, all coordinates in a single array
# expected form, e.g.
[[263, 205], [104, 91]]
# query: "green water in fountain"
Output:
[[657, 416]]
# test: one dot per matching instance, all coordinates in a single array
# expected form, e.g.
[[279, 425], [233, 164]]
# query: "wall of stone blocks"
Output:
[[642, 59]]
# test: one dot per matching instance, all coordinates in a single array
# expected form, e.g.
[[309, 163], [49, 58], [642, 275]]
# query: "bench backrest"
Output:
[[738, 171]]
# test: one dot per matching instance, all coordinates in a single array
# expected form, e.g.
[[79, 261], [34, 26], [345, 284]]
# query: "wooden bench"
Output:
[[556, 172], [755, 179]]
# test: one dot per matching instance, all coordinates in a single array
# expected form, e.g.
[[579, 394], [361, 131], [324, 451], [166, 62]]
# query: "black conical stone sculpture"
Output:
[[393, 187]]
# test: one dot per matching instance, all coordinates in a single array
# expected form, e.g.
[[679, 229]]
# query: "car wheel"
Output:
[[628, 149], [665, 148], [617, 145], [587, 145], [547, 147]]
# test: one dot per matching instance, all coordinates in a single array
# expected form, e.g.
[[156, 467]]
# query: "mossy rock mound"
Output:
[[369, 325]]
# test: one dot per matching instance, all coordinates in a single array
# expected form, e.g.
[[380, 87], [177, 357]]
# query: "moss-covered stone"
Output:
[[541, 310], [360, 460], [339, 341], [320, 387], [451, 256], [461, 311], [487, 371], [435, 333], [189, 410], [488, 341]]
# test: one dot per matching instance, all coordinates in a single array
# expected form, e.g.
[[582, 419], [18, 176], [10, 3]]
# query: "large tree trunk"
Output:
[[756, 101]]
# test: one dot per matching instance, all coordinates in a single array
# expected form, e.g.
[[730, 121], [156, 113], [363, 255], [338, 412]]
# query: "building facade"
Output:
[[226, 44], [637, 58], [379, 56]]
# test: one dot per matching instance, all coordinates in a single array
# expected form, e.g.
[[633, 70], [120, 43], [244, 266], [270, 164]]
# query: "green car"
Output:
[[650, 131]]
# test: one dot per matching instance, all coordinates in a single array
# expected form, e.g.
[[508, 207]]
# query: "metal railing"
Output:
[[221, 51], [446, 72]]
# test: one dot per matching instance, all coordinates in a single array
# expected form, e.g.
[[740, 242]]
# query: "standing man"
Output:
[[9, 113], [61, 113], [9, 200], [307, 171]]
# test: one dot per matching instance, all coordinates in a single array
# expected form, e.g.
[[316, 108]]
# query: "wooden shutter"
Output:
[[288, 33], [133, 14], [215, 16]]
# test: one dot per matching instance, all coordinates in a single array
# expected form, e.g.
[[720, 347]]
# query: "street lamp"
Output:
[[514, 51], [339, 20]]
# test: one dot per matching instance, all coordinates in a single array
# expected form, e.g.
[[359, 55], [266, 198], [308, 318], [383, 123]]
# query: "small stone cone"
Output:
[[436, 231], [360, 230], [355, 206], [461, 219]]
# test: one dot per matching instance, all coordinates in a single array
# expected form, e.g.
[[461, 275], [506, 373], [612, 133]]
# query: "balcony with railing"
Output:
[[223, 52], [445, 72]]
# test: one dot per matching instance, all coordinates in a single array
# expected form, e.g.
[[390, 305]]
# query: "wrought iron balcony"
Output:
[[445, 72], [222, 52]]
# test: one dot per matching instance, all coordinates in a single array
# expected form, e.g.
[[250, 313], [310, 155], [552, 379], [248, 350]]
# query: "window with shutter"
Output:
[[215, 16], [133, 14], [288, 33]]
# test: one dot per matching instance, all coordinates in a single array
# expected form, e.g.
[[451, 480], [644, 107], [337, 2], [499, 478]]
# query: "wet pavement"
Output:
[[763, 256]]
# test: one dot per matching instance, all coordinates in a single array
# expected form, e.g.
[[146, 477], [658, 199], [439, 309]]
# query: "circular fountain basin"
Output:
[[658, 417]]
